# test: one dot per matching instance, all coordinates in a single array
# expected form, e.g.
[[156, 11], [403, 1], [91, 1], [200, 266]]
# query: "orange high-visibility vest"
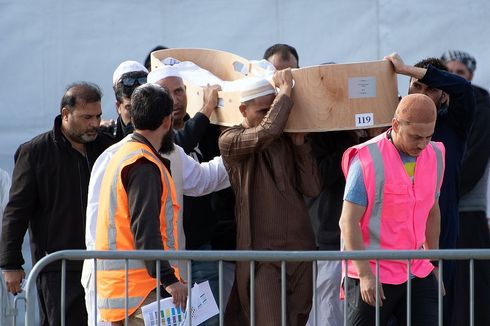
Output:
[[114, 233], [397, 210]]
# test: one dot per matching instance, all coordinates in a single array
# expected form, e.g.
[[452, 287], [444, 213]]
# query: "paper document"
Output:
[[203, 307]]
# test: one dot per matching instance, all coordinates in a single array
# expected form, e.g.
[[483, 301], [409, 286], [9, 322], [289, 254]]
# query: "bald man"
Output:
[[391, 202]]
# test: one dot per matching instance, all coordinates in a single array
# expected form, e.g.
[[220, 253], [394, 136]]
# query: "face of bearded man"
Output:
[[82, 123]]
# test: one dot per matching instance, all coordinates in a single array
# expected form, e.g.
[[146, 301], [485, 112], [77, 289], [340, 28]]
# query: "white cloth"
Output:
[[190, 178], [191, 72], [329, 307]]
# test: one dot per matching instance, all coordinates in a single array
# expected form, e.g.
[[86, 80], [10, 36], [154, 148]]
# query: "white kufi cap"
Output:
[[253, 87], [163, 72], [125, 67]]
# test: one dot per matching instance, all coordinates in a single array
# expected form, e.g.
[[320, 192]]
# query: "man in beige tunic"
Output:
[[270, 172]]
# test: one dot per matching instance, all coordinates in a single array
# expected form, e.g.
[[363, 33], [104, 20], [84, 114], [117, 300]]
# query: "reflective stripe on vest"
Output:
[[440, 164], [118, 303], [375, 220], [119, 265]]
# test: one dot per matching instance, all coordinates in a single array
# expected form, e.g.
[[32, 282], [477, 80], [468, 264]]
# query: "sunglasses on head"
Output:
[[130, 81]]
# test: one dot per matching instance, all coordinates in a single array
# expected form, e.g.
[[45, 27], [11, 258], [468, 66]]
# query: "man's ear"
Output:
[[445, 98], [64, 113], [395, 125], [117, 107], [167, 122], [243, 110]]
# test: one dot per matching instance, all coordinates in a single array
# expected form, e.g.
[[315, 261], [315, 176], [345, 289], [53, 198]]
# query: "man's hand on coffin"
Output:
[[210, 99], [283, 79], [402, 68], [397, 62]]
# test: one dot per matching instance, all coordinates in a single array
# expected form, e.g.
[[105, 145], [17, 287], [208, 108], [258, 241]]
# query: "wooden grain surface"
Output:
[[326, 97]]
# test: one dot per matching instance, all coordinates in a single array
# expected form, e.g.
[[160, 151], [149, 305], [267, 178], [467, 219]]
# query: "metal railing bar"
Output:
[[283, 293], [95, 291], [221, 294], [189, 292], [288, 256], [159, 315], [314, 274], [409, 292], [377, 299], [472, 292], [16, 299], [126, 292], [264, 255], [440, 292], [346, 286], [252, 293], [63, 291]]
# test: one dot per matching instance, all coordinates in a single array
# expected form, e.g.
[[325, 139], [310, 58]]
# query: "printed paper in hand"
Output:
[[203, 307]]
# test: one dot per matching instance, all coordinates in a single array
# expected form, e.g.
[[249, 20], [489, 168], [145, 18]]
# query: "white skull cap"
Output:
[[163, 72], [253, 87], [125, 67]]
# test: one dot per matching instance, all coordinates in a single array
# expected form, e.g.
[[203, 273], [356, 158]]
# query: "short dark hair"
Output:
[[150, 104], [148, 56], [121, 91], [284, 49], [436, 62], [80, 92]]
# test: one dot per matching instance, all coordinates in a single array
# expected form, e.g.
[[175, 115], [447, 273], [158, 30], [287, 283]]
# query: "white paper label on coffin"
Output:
[[362, 87], [364, 120], [321, 93]]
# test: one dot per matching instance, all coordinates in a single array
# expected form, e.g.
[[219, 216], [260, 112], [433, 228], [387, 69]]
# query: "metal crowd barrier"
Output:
[[252, 256]]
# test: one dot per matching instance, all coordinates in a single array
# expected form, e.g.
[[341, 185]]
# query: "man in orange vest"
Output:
[[391, 202], [138, 211]]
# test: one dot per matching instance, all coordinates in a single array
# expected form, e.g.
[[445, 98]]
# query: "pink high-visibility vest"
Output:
[[397, 211]]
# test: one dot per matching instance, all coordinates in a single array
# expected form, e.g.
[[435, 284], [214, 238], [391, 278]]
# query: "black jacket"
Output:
[[325, 209], [48, 196], [477, 152], [452, 126], [118, 130]]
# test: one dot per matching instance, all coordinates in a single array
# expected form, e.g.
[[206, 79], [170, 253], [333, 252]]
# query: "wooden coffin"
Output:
[[326, 97]]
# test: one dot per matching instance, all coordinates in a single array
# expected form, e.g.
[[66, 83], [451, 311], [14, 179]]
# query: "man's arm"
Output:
[[142, 182], [352, 239], [461, 98], [433, 228], [194, 128], [202, 178], [18, 212], [237, 144]]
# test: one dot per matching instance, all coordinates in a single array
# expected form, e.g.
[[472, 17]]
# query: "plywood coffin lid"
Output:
[[326, 97]]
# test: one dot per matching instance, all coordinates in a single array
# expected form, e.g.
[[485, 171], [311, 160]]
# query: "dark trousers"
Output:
[[474, 234], [423, 303], [49, 292]]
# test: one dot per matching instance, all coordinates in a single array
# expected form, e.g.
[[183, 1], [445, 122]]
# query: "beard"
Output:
[[82, 138], [167, 142]]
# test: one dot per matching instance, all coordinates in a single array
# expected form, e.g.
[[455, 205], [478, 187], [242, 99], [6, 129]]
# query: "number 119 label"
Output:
[[364, 119]]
